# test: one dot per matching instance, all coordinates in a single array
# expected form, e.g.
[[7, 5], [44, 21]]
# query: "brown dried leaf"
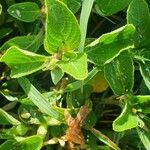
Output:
[[74, 133]]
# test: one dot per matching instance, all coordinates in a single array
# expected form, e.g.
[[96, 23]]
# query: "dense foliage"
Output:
[[75, 74]]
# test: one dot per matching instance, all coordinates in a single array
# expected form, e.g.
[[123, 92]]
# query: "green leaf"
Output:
[[109, 45], [140, 99], [74, 5], [7, 145], [77, 67], [2, 18], [6, 119], [17, 130], [111, 7], [0, 9], [8, 96], [126, 120], [103, 138], [145, 72], [26, 11], [143, 99], [62, 29], [31, 115], [29, 143], [68, 56], [77, 84], [145, 138], [103, 15], [40, 101], [31, 43], [22, 62], [56, 75], [142, 55], [120, 73], [141, 103], [10, 2], [91, 119], [4, 32], [141, 20]]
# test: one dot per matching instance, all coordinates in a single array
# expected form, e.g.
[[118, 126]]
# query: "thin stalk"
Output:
[[85, 13]]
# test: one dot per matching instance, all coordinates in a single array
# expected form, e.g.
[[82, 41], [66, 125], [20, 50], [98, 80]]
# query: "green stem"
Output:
[[85, 13]]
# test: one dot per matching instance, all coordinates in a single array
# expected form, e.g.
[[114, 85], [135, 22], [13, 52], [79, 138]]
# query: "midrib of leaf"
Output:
[[76, 69], [33, 62], [27, 59], [31, 11]]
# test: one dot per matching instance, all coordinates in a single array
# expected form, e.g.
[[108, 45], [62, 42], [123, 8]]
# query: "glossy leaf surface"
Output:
[[56, 75], [22, 62], [6, 119], [4, 32], [145, 72], [77, 67], [62, 29], [111, 7], [30, 43], [120, 73], [127, 120], [141, 20], [109, 45], [26, 11]]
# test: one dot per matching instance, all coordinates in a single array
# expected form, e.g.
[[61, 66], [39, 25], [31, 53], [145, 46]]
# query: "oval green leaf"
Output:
[[29, 143], [126, 120], [7, 145], [4, 32], [120, 73], [22, 62], [56, 75], [74, 5], [6, 119], [62, 29], [110, 7], [26, 11], [77, 67], [141, 20], [31, 43], [109, 45]]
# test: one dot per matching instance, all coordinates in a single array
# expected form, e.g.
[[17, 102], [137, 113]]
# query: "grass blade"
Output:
[[40, 101]]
